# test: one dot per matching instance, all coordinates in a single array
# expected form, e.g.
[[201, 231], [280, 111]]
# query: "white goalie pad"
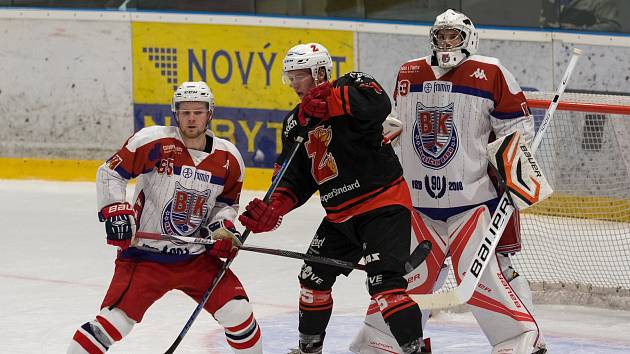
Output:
[[523, 177]]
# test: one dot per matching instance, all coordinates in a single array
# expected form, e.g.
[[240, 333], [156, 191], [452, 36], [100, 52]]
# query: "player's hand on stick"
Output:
[[314, 104], [262, 217], [120, 224], [226, 236]]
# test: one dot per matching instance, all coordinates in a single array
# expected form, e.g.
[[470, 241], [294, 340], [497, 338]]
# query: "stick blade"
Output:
[[437, 301], [418, 255]]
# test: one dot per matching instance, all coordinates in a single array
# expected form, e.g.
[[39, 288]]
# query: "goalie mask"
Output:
[[453, 38], [196, 91], [307, 56]]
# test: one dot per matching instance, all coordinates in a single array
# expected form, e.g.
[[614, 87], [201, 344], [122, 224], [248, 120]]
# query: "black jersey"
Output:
[[345, 157]]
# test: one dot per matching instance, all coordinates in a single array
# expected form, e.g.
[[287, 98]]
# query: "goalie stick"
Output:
[[416, 257], [298, 142], [498, 221]]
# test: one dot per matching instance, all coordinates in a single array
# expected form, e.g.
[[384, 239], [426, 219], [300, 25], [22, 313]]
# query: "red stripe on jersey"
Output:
[[491, 304], [241, 326], [335, 104], [86, 343], [396, 193], [109, 328], [347, 96], [248, 344]]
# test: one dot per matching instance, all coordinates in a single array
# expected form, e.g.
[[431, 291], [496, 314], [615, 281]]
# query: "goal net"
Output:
[[576, 244]]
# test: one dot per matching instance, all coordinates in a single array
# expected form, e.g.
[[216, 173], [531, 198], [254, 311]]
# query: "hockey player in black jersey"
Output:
[[345, 157]]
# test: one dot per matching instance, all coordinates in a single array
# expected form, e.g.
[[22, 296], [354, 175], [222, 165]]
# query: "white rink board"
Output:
[[66, 87], [66, 90]]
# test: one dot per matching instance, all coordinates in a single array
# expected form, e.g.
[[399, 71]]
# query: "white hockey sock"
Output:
[[98, 335], [241, 329]]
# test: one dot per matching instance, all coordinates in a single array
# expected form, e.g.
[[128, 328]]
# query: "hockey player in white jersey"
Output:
[[188, 183], [450, 104]]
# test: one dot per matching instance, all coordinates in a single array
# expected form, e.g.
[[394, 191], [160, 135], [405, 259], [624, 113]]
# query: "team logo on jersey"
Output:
[[185, 212], [323, 164], [434, 135]]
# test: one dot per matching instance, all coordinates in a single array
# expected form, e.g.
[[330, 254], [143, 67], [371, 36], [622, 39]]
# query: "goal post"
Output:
[[576, 244]]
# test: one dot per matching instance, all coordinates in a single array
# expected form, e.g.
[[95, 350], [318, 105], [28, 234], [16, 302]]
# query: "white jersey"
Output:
[[178, 189], [447, 117]]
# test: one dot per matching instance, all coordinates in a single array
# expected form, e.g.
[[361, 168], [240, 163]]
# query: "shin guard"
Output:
[[98, 335], [315, 310], [401, 314], [241, 329]]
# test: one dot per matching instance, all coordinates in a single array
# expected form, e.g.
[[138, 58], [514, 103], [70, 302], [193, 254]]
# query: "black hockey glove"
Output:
[[120, 224]]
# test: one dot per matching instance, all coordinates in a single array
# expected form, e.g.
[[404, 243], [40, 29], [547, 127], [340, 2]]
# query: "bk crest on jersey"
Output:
[[434, 135], [185, 212]]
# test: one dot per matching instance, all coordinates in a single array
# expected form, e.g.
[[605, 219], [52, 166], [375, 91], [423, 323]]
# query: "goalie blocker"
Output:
[[516, 165]]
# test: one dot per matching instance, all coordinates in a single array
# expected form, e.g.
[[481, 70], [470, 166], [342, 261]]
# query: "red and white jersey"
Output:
[[178, 189], [447, 117]]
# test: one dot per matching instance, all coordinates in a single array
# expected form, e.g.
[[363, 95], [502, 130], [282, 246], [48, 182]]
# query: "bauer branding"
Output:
[[500, 217]]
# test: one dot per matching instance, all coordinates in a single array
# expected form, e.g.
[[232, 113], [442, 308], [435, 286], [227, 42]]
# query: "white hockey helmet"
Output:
[[448, 57], [193, 91], [307, 56]]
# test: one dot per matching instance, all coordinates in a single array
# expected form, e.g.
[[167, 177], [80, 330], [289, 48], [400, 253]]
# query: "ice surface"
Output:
[[55, 268]]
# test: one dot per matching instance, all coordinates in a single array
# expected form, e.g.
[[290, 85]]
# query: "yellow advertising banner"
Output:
[[243, 67]]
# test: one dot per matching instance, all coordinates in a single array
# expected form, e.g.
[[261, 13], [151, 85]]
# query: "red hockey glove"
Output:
[[120, 224], [223, 248], [226, 236], [262, 217], [314, 104]]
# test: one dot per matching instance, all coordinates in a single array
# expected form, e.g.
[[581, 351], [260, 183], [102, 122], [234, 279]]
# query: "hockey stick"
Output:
[[464, 291], [256, 249], [298, 142], [415, 258], [556, 98]]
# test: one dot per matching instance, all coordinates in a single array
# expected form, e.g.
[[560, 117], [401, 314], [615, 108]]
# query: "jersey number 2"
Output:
[[323, 165]]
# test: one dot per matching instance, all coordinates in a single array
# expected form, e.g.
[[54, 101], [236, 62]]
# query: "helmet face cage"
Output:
[[196, 91], [463, 35], [448, 57], [312, 56]]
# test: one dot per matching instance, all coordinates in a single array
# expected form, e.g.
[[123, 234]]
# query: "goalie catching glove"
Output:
[[226, 237], [120, 224]]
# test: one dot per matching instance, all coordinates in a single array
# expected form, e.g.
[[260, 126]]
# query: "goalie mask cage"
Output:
[[576, 244]]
